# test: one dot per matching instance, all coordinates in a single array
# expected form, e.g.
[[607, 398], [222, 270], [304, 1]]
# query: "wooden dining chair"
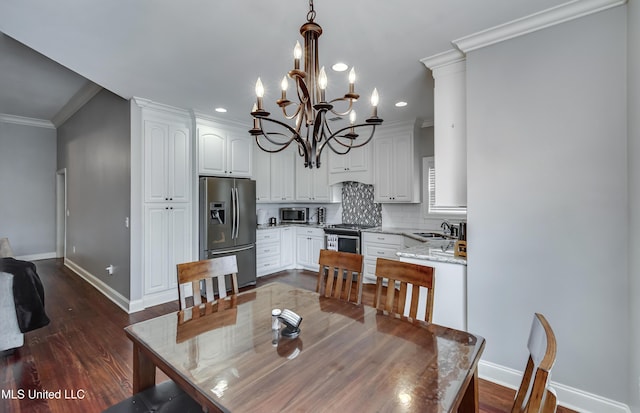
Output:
[[409, 277], [534, 394], [339, 274], [200, 274]]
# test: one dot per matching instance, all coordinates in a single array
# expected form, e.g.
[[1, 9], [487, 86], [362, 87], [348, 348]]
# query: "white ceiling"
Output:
[[199, 55]]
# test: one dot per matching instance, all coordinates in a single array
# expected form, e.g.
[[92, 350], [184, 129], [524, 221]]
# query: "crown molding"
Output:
[[77, 101], [443, 59], [204, 116], [427, 123], [151, 105], [534, 22], [21, 120]]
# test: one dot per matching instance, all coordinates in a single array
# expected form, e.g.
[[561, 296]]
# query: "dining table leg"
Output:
[[470, 402], [144, 371]]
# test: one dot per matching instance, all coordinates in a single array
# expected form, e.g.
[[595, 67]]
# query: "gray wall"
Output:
[[547, 198], [633, 109], [94, 147], [28, 188]]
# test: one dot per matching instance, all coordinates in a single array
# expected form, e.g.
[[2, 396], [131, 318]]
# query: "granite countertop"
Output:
[[429, 249], [267, 226], [407, 232], [433, 251]]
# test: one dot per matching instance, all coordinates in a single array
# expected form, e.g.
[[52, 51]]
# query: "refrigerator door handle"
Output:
[[234, 211], [220, 252], [237, 212]]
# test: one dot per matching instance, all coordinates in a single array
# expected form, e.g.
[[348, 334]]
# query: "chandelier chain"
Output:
[[312, 13]]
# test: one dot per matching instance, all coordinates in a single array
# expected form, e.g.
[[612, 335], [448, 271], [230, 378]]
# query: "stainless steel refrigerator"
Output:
[[228, 223]]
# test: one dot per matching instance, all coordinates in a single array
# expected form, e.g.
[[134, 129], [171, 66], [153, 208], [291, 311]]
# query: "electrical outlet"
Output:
[[73, 249]]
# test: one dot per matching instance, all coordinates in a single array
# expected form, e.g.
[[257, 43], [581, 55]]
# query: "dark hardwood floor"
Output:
[[84, 358]]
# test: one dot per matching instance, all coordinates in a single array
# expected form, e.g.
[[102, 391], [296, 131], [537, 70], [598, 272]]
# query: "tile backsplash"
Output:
[[358, 206]]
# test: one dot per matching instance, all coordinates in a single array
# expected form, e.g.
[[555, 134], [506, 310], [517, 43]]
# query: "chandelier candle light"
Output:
[[311, 132]]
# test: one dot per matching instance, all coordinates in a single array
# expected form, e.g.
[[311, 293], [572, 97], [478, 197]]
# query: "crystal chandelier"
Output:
[[311, 131]]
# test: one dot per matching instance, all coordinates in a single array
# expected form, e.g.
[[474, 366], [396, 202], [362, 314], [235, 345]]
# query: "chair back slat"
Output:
[[339, 274], [534, 395], [222, 286], [199, 275], [402, 282]]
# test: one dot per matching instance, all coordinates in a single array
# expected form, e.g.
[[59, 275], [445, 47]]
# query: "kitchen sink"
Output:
[[439, 253], [430, 235]]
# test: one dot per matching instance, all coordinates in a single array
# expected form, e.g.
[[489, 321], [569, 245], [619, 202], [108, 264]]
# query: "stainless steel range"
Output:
[[344, 237]]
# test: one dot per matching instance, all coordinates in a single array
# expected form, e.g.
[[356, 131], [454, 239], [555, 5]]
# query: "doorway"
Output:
[[61, 213]]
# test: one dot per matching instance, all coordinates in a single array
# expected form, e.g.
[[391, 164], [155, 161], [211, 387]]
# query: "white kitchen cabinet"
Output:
[[287, 247], [397, 160], [283, 176], [378, 245], [353, 166], [162, 208], [167, 242], [274, 250], [262, 174], [268, 251], [167, 166], [223, 150], [309, 242], [450, 297], [274, 174], [312, 185]]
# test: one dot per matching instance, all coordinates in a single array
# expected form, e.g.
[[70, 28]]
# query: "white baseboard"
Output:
[[572, 398], [117, 298], [35, 257], [149, 300], [135, 306]]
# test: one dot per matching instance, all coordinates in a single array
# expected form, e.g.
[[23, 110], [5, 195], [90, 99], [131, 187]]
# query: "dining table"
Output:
[[346, 358]]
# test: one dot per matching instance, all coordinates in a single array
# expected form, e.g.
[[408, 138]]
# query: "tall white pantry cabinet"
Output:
[[166, 227]]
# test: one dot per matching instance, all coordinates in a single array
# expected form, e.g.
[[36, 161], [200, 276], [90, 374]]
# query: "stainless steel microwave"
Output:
[[294, 215]]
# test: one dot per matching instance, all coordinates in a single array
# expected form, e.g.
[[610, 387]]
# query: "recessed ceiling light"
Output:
[[340, 67], [221, 110], [401, 104]]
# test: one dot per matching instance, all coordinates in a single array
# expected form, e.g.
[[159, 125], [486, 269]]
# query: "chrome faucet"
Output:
[[446, 227]]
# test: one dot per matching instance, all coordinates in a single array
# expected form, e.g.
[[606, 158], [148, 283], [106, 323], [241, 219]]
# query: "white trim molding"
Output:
[[572, 398], [22, 120], [150, 104], [117, 298], [35, 257], [443, 59], [200, 116], [537, 21], [77, 101]]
